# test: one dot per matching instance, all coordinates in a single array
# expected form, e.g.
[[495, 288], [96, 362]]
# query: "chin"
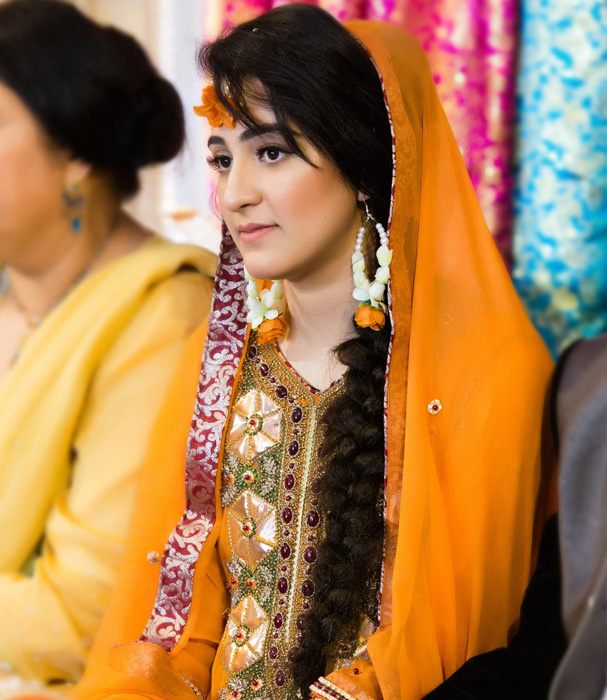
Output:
[[261, 265]]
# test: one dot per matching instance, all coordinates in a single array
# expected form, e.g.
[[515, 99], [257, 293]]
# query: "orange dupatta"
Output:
[[465, 494]]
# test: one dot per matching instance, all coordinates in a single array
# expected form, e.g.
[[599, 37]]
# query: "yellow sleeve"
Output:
[[47, 621]]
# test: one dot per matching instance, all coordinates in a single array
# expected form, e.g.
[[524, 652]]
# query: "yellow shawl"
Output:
[[42, 396]]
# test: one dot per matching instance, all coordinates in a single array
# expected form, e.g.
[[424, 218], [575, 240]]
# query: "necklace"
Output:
[[33, 321]]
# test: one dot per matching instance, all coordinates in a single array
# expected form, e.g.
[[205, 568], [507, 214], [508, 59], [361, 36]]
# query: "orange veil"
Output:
[[466, 496]]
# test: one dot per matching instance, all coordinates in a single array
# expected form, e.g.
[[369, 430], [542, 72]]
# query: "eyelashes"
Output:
[[216, 162], [266, 154]]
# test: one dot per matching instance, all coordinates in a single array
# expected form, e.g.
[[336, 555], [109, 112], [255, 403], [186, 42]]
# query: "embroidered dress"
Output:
[[270, 483]]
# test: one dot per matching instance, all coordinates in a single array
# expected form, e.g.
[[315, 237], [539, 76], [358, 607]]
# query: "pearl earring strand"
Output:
[[371, 294]]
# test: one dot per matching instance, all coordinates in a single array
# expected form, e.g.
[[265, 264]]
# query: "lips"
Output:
[[254, 232]]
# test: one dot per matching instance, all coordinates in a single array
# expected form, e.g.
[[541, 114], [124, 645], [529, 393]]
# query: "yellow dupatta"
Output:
[[466, 492], [43, 394]]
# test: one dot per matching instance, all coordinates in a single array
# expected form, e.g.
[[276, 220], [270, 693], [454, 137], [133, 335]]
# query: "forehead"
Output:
[[263, 115]]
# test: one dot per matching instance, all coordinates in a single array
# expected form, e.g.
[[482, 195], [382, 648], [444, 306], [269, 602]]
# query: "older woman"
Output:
[[94, 314]]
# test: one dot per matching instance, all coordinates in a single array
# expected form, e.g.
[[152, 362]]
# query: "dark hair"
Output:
[[92, 88], [319, 81]]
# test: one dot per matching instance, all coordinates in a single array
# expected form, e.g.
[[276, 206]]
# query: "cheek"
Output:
[[298, 195], [316, 208], [30, 182]]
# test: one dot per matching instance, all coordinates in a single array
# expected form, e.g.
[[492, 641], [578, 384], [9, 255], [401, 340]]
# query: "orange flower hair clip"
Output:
[[213, 110]]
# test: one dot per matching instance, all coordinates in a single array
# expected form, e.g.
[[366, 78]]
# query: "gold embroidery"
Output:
[[245, 634], [252, 526], [255, 426], [270, 492]]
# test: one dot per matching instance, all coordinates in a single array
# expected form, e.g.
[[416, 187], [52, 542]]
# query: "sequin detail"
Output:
[[434, 407]]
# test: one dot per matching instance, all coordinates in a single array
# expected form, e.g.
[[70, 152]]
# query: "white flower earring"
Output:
[[266, 309], [371, 312]]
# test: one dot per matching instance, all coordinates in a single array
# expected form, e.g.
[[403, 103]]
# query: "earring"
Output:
[[371, 312], [74, 200], [266, 309]]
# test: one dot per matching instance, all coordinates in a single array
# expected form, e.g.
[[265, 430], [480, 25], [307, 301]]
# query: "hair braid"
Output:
[[346, 574]]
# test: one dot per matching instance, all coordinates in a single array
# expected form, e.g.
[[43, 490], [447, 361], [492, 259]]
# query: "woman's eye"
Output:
[[220, 162], [271, 154]]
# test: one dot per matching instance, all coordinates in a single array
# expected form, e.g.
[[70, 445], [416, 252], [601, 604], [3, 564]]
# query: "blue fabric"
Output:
[[560, 208]]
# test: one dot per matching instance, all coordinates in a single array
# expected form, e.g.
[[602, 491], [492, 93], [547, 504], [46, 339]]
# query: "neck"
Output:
[[321, 314], [47, 273], [320, 318]]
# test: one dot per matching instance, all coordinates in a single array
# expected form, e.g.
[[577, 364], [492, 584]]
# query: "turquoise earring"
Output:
[[74, 200]]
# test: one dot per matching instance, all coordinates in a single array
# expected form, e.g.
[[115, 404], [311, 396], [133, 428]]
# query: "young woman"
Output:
[[95, 311], [352, 523]]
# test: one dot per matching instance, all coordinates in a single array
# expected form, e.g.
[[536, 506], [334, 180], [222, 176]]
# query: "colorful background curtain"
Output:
[[561, 193]]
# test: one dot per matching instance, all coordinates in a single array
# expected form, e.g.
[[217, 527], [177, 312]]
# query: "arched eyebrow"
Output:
[[250, 133]]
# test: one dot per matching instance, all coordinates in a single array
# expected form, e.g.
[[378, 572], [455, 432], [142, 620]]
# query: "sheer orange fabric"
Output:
[[466, 496]]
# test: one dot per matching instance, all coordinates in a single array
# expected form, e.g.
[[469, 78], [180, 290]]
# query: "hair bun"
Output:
[[154, 127], [158, 122], [93, 88]]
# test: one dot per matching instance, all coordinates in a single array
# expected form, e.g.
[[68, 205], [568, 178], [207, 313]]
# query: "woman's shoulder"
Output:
[[132, 244], [175, 287]]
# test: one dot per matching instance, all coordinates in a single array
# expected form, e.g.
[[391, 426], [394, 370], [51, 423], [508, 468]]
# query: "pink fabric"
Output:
[[471, 46]]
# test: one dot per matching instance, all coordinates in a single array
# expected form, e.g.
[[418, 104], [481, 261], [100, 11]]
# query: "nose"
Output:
[[241, 188]]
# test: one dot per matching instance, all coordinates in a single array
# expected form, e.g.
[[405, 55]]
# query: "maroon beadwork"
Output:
[[287, 515], [313, 518], [301, 622], [273, 652], [278, 621], [283, 585], [282, 391], [285, 551], [264, 369], [296, 414], [293, 448], [289, 481], [280, 679], [310, 554]]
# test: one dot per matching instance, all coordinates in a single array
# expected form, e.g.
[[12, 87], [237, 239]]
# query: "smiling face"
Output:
[[291, 219]]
